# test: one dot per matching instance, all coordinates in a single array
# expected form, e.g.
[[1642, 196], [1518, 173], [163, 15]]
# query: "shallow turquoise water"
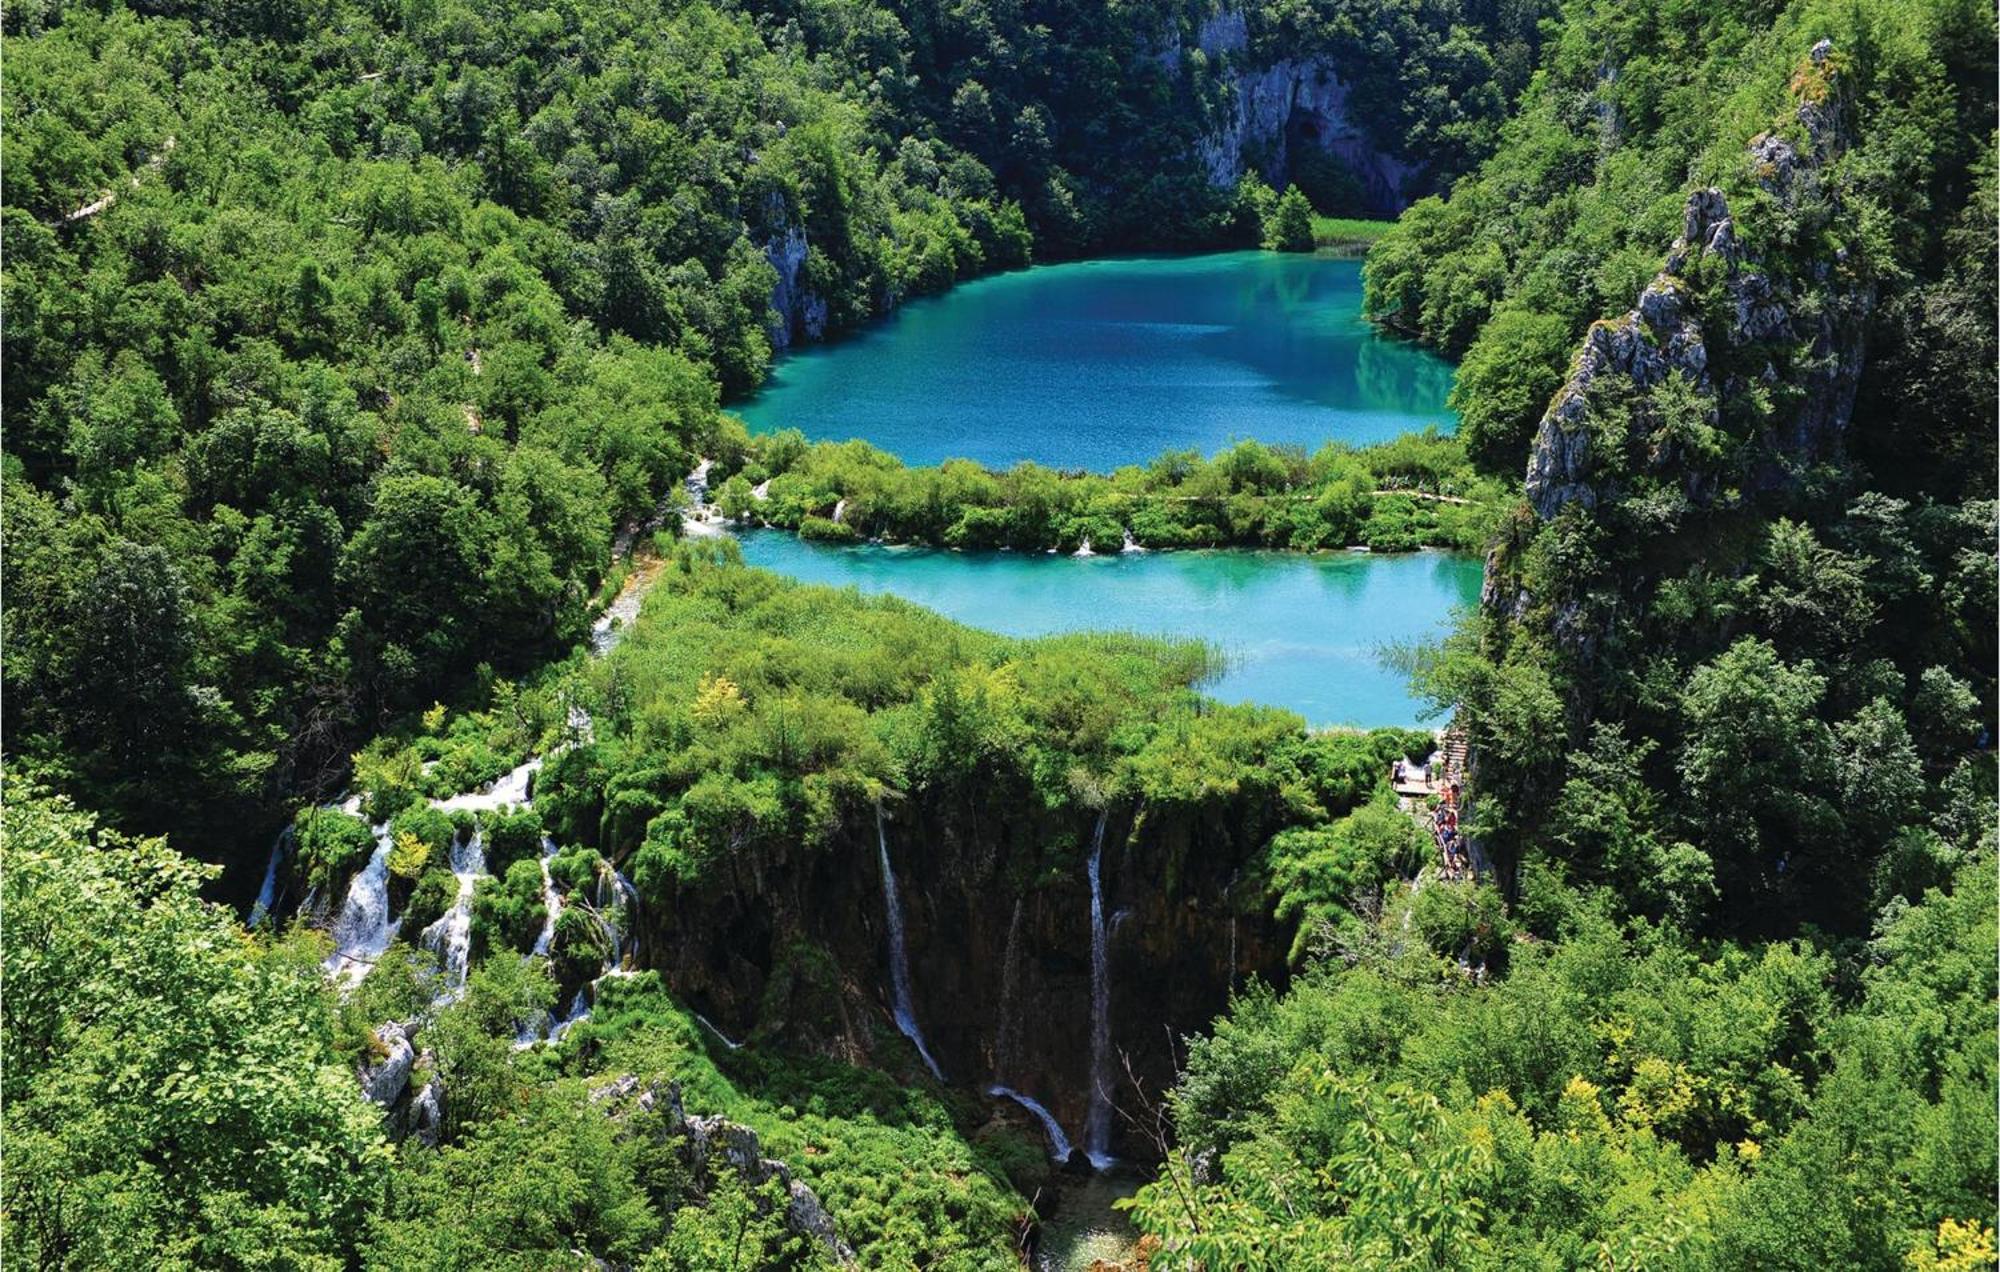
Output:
[[1101, 363], [1302, 631]]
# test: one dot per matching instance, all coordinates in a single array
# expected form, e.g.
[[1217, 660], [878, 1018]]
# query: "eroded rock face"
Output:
[[1294, 103], [999, 947], [385, 1081], [709, 1142], [796, 312]]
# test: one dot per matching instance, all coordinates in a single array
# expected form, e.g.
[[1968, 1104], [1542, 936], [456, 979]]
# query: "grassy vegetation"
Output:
[[1347, 235]]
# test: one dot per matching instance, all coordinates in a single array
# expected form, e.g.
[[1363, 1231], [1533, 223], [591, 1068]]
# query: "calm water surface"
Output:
[[1301, 631], [1102, 363]]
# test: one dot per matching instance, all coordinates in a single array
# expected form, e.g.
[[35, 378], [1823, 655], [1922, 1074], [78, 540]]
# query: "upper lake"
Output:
[[1096, 364]]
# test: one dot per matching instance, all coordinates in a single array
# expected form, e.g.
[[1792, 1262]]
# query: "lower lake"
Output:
[[1303, 631]]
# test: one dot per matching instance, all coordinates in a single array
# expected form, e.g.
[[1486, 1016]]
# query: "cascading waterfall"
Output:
[[267, 895], [1059, 1146], [511, 788], [451, 936], [899, 957], [363, 930], [1097, 1121], [551, 901], [720, 1036]]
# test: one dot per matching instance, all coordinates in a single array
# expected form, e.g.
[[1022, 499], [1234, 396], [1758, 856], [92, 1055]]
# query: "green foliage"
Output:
[[1417, 491], [1505, 383], [508, 912], [171, 1087], [1289, 227], [329, 845], [1615, 1095]]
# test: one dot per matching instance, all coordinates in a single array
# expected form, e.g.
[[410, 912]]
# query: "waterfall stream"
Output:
[[267, 895], [899, 957], [1010, 990], [720, 1036], [1097, 1121], [1059, 1146], [451, 936], [552, 901], [362, 930]]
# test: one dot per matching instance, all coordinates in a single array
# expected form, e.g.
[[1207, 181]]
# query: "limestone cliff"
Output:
[[797, 312], [1275, 111]]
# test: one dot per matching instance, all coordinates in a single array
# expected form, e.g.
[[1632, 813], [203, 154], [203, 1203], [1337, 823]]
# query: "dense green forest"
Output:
[[340, 339], [354, 359]]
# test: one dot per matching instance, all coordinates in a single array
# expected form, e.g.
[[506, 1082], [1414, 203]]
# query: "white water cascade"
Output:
[[552, 901], [363, 930], [1059, 1146], [1097, 1120], [899, 956], [509, 789], [451, 936]]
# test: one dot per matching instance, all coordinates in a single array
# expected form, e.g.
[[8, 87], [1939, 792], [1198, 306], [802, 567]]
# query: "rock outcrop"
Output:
[[707, 1144], [797, 312], [1278, 111], [385, 1080], [1809, 320]]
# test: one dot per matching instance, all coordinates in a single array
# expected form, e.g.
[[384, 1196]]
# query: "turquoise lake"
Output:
[[1096, 364], [1102, 363], [1301, 631]]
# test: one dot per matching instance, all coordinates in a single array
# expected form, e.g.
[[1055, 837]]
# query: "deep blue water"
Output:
[[1097, 364]]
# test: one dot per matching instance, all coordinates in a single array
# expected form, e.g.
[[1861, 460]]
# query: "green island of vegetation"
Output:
[[1417, 491], [623, 906]]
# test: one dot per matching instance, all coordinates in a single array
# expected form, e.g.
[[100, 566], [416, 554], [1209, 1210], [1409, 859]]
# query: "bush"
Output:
[[330, 844]]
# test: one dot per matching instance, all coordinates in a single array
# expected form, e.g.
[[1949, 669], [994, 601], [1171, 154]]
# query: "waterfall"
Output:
[[899, 958], [1084, 549], [1010, 989], [267, 895], [551, 901], [724, 1038], [622, 895], [1097, 1122], [1131, 544], [507, 790], [612, 624], [579, 1009], [1059, 1145], [451, 935], [363, 930]]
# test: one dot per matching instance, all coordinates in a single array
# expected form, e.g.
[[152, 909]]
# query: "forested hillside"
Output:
[[340, 340], [632, 908], [1725, 296]]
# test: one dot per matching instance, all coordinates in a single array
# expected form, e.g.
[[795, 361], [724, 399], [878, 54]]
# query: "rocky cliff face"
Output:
[[1275, 112], [999, 948], [797, 312], [705, 1144], [1733, 376]]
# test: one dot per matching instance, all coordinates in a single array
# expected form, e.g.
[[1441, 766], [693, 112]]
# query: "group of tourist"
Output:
[[1444, 828]]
